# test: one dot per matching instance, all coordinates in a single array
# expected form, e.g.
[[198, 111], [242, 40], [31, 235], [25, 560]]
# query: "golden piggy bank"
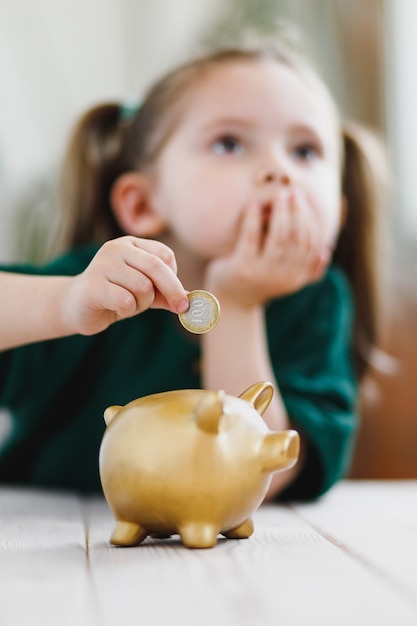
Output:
[[190, 462]]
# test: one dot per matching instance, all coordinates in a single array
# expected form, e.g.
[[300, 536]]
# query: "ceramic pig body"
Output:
[[191, 462]]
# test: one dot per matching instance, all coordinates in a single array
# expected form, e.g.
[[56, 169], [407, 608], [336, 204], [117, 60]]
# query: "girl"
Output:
[[238, 163]]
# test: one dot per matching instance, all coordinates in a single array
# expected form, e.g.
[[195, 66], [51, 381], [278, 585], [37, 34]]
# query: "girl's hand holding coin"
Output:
[[127, 276]]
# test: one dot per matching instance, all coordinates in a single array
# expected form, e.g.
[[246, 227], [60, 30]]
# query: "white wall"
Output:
[[57, 57], [401, 98]]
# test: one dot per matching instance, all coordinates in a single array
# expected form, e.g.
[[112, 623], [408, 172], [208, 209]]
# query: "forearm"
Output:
[[125, 277], [31, 308], [236, 355]]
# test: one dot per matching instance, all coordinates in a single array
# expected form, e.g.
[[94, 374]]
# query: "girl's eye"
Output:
[[307, 152], [228, 144]]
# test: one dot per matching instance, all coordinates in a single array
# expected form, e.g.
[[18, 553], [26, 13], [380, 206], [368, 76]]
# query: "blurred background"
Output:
[[58, 57]]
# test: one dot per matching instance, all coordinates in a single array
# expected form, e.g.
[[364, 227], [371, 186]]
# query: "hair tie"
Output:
[[128, 109]]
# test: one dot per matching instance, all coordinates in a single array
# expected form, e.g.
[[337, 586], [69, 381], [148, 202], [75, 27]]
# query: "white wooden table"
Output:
[[348, 559]]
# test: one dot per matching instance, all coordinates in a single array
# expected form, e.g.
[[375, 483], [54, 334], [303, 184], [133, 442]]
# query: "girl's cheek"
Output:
[[332, 231]]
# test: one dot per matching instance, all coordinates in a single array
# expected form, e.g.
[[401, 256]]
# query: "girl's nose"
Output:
[[273, 173], [275, 177]]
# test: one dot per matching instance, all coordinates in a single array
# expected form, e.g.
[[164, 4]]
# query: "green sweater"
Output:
[[55, 392]]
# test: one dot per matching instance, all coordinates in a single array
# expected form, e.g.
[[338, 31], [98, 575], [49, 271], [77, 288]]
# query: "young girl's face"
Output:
[[249, 132]]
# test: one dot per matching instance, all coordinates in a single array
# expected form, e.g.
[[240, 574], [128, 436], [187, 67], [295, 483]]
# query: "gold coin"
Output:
[[203, 313]]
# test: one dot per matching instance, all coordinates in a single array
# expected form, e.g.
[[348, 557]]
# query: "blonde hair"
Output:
[[105, 144]]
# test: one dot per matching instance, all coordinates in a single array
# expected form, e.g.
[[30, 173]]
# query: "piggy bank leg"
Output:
[[240, 532], [128, 534], [199, 535]]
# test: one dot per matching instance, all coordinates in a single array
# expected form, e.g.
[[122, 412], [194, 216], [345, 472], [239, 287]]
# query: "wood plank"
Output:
[[44, 577], [288, 572], [376, 523], [346, 559]]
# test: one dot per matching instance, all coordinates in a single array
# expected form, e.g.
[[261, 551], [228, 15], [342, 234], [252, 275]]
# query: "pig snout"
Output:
[[280, 450]]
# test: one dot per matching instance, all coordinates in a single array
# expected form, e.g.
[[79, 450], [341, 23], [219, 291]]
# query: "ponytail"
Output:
[[358, 251], [93, 161]]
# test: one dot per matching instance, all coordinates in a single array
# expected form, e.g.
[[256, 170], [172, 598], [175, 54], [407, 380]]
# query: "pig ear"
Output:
[[110, 412], [209, 411], [260, 395]]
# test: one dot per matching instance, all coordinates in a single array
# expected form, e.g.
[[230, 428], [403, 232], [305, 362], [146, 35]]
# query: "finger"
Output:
[[157, 248], [277, 238], [162, 277], [249, 236], [317, 256], [125, 303], [300, 221], [128, 247], [320, 264], [160, 302], [307, 234], [127, 293]]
